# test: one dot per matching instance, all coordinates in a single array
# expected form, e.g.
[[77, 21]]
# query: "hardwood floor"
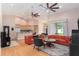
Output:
[[21, 50]]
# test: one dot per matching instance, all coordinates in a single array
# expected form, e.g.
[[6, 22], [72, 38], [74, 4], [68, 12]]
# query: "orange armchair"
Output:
[[28, 40]]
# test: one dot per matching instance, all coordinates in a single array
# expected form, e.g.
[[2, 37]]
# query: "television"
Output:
[[74, 46], [75, 37]]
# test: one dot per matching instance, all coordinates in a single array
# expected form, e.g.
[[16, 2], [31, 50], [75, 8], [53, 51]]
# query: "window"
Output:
[[59, 28]]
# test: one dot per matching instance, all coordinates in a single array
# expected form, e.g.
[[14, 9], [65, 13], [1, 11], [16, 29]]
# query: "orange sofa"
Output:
[[64, 40]]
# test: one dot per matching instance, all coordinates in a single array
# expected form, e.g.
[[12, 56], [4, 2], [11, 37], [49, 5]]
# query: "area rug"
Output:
[[56, 50]]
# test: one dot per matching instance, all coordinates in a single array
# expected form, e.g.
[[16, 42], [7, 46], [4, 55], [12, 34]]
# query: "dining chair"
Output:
[[38, 43]]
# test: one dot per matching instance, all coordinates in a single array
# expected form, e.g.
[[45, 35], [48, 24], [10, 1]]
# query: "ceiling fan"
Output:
[[35, 14], [51, 7]]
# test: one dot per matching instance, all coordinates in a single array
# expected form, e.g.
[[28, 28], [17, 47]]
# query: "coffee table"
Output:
[[50, 41]]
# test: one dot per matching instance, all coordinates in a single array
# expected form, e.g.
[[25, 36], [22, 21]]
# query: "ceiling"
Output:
[[25, 9]]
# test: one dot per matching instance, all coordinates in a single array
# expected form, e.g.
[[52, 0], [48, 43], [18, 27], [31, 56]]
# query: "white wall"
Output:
[[0, 18], [51, 28], [8, 20], [72, 17], [0, 25], [41, 25]]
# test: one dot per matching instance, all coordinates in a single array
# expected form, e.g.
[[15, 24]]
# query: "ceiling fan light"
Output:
[[60, 6], [47, 10], [11, 4]]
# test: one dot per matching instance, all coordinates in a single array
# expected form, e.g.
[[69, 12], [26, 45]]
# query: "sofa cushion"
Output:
[[65, 40]]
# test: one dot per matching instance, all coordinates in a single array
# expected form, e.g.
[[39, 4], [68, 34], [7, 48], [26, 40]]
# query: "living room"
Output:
[[28, 18]]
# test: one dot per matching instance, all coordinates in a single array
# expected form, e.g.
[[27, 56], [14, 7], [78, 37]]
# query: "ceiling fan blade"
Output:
[[55, 8], [47, 5], [53, 5], [43, 6], [52, 10], [35, 14]]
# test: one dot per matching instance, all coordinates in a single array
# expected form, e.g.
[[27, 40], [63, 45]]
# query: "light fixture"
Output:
[[11, 4], [48, 10], [60, 6]]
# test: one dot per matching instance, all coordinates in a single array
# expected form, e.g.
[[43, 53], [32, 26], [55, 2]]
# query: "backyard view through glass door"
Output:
[[59, 28]]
